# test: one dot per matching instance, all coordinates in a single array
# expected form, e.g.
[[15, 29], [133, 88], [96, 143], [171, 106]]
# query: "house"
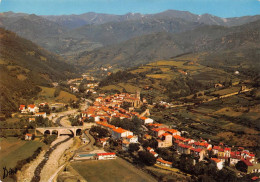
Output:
[[183, 149], [149, 149], [162, 162], [23, 109], [201, 153], [147, 120], [157, 125], [218, 163], [154, 154], [105, 156], [174, 132], [147, 137], [215, 150], [118, 133], [28, 136], [32, 108], [103, 141], [165, 141], [42, 114], [125, 145], [248, 167], [132, 139], [159, 131], [255, 178], [31, 119]]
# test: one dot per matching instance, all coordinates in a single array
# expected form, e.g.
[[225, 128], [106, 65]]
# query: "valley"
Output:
[[170, 96]]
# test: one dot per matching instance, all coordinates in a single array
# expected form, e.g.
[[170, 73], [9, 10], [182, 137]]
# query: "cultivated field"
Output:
[[110, 170]]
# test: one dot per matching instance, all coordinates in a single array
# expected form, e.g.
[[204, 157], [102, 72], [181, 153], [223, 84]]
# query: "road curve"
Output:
[[88, 147]]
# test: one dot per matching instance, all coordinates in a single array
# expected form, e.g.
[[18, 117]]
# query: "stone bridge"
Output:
[[63, 130]]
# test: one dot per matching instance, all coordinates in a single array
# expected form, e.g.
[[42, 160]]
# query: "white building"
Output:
[[118, 133], [132, 139], [43, 114], [105, 156], [218, 163]]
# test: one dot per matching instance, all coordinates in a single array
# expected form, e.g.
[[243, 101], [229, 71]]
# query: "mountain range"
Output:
[[157, 46], [34, 54], [71, 35]]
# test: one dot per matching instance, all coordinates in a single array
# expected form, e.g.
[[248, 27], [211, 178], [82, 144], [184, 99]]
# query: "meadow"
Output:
[[47, 95], [14, 150], [110, 170]]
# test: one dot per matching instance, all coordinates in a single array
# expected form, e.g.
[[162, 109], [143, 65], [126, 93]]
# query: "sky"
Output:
[[221, 8]]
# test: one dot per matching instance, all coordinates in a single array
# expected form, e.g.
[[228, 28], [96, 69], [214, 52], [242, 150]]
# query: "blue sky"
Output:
[[222, 8]]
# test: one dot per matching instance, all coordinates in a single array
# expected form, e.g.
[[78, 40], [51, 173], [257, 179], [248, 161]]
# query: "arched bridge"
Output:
[[63, 130]]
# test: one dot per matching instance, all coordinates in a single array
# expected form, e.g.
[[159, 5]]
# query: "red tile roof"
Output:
[[247, 162], [165, 162], [149, 148], [196, 150], [215, 160], [119, 130], [254, 178], [184, 146], [31, 106], [104, 154]]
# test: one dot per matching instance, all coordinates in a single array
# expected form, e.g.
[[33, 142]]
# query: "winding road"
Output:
[[89, 146]]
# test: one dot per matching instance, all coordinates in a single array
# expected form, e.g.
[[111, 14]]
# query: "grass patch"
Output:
[[128, 87], [110, 170], [47, 94], [14, 150], [112, 87]]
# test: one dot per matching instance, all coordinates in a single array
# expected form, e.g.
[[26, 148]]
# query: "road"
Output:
[[89, 146]]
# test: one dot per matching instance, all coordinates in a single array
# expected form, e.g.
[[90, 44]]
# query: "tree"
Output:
[[147, 158], [57, 92], [186, 163], [199, 168], [241, 166], [133, 147]]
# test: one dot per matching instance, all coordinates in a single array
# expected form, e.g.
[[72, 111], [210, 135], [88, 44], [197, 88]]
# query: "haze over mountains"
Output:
[[74, 35], [93, 40]]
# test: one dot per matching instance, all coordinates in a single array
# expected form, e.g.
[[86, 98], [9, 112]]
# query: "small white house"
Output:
[[43, 114], [163, 162], [32, 108], [218, 163], [147, 120], [132, 139]]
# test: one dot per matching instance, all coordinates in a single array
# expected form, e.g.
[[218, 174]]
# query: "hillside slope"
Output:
[[158, 46], [24, 66]]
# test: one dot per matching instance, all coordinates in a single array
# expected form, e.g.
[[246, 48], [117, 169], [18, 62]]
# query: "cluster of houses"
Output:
[[90, 87], [33, 109], [107, 107], [167, 137]]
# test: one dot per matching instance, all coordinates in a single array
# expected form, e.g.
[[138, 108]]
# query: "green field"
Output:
[[110, 170], [47, 95], [13, 150]]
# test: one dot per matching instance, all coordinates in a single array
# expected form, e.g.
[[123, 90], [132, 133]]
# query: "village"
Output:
[[130, 131], [106, 108]]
